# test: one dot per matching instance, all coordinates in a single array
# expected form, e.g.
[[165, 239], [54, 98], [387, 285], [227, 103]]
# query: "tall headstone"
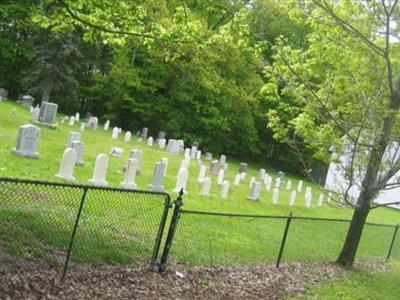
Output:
[[278, 182], [275, 196], [205, 187], [106, 125], [77, 117], [243, 167], [137, 154], [193, 152], [27, 101], [262, 174], [144, 133], [71, 121], [27, 141], [181, 180], [82, 126], [150, 141], [214, 167], [161, 143], [208, 156], [94, 123], [3, 93], [187, 153], [255, 191], [73, 136], [164, 160], [67, 165], [300, 186], [289, 185], [202, 173], [220, 177], [130, 174], [236, 181], [224, 190], [127, 137], [198, 155], [292, 199], [35, 114], [320, 200], [161, 135], [115, 133], [222, 159], [79, 147], [100, 171], [156, 184], [281, 176], [268, 183], [48, 113], [308, 198]]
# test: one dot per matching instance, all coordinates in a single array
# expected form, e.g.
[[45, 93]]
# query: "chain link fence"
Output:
[[56, 222]]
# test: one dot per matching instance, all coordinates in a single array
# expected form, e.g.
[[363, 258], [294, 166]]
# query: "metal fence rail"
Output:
[[58, 222]]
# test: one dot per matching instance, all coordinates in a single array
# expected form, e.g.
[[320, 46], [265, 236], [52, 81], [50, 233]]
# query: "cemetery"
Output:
[[200, 150]]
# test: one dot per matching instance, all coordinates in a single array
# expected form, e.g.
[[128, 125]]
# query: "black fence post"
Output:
[[285, 233], [171, 232], [71, 242], [160, 232], [396, 229]]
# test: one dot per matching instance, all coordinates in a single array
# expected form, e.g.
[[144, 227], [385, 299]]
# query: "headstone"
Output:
[[3, 93], [292, 199], [77, 117], [300, 186], [156, 184], [150, 141], [48, 113], [289, 185], [236, 181], [119, 130], [145, 130], [161, 135], [94, 123], [222, 159], [225, 167], [181, 146], [205, 187], [262, 174], [224, 190], [181, 180], [193, 152], [79, 147], [308, 198], [275, 196], [187, 153], [82, 127], [137, 154], [196, 144], [202, 173], [115, 133], [278, 182], [130, 174], [116, 152], [27, 141], [220, 177], [35, 114], [281, 176], [185, 163], [100, 171], [107, 125], [164, 160], [214, 167], [198, 155], [243, 167], [27, 101], [255, 191], [209, 156], [320, 200], [71, 121], [268, 183], [161, 143], [67, 165], [252, 180], [73, 136], [127, 137]]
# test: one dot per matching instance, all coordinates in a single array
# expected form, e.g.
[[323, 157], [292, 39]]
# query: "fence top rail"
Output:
[[80, 186], [221, 214]]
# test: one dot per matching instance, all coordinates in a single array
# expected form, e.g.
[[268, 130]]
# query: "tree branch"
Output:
[[385, 204]]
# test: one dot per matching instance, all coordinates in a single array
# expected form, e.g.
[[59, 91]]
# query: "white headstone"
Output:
[[115, 133], [278, 182], [193, 152], [161, 143], [135, 153], [262, 174], [164, 160], [127, 137], [205, 187], [116, 152], [275, 196], [73, 136], [202, 173], [100, 171], [119, 130], [289, 185], [224, 189], [220, 177], [67, 165], [79, 147], [35, 114], [300, 186], [27, 141], [268, 183], [255, 191], [150, 141], [292, 199], [236, 181], [156, 184], [71, 121], [222, 159], [77, 117], [308, 198], [185, 163], [181, 180], [320, 200], [107, 125], [198, 155], [187, 153], [130, 174], [82, 126]]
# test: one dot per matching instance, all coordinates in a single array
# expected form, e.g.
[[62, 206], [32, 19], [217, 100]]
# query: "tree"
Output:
[[341, 91]]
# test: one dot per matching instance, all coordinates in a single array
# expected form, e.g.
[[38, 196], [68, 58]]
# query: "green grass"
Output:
[[359, 284], [114, 229]]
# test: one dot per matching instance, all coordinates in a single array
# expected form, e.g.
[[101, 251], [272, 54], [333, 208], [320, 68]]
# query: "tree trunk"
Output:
[[47, 86]]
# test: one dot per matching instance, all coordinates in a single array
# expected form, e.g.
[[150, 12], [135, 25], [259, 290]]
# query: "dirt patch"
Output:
[[34, 280]]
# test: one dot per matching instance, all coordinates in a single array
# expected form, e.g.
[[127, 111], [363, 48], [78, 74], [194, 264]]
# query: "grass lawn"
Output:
[[110, 220], [360, 284]]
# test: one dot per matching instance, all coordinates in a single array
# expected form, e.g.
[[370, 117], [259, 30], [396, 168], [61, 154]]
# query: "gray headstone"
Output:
[[214, 167], [281, 175], [79, 147], [48, 112], [27, 141], [243, 167], [72, 137], [255, 191], [196, 144], [3, 93], [27, 101], [208, 156], [144, 133], [161, 135], [158, 176]]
